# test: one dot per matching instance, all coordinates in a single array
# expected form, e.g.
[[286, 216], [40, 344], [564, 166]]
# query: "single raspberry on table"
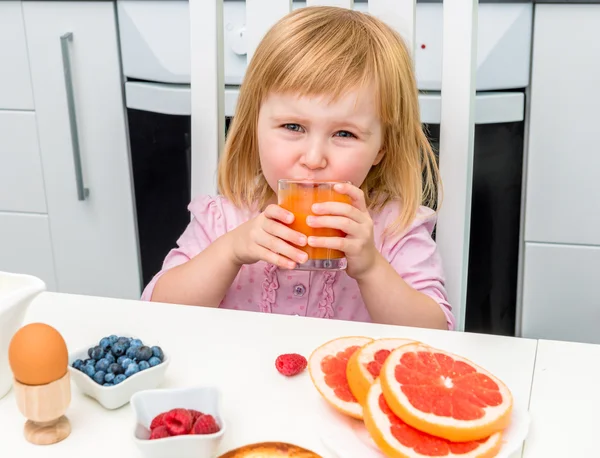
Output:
[[205, 424], [290, 364], [178, 421], [157, 421], [159, 432]]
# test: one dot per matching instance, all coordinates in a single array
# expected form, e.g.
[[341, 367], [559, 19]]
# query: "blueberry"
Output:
[[118, 349], [120, 359], [125, 341], [126, 362], [77, 364], [102, 365], [144, 353], [89, 370], [132, 352], [108, 378], [113, 339], [144, 365], [99, 377], [88, 361], [154, 361], [157, 351], [90, 350], [108, 384], [104, 343], [97, 352], [132, 369], [136, 343], [119, 378], [110, 357], [115, 368]]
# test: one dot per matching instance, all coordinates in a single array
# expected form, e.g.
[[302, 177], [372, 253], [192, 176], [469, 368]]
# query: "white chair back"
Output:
[[457, 107]]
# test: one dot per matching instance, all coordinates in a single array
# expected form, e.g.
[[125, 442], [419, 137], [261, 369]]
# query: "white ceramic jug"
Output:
[[16, 293]]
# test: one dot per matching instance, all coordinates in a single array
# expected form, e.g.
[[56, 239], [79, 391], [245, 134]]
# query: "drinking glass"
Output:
[[298, 197]]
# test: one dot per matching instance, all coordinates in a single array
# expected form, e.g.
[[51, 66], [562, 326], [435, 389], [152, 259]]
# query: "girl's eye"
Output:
[[345, 134], [293, 127]]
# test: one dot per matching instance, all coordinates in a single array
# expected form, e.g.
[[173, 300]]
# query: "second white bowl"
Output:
[[150, 403]]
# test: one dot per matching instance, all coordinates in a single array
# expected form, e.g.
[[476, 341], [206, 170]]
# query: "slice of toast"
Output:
[[270, 450]]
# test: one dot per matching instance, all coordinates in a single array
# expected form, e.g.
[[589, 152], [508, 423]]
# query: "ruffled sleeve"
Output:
[[207, 224], [414, 255]]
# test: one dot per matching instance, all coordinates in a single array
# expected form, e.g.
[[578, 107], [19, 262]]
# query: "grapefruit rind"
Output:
[[359, 377], [496, 418], [379, 427], [333, 347]]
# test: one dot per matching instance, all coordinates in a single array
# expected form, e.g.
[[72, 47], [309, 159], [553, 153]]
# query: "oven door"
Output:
[[159, 131]]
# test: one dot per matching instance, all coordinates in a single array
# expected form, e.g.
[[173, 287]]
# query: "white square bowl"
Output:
[[150, 403], [113, 397]]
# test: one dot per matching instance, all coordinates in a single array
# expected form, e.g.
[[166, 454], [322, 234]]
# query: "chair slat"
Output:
[[459, 51], [207, 89], [398, 14], [260, 17]]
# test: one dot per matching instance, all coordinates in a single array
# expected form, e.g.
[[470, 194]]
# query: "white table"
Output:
[[236, 351], [565, 401]]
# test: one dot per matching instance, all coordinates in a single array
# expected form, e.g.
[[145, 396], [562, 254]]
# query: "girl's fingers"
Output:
[[356, 194], [281, 247], [275, 212], [333, 243], [276, 259], [341, 223], [283, 232], [339, 209]]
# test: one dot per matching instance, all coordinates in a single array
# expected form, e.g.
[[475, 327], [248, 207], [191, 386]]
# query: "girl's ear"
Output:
[[379, 156]]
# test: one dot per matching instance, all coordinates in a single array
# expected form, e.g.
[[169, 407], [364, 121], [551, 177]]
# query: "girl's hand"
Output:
[[265, 238], [355, 221]]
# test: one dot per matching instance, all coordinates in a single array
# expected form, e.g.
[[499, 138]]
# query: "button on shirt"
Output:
[[263, 287]]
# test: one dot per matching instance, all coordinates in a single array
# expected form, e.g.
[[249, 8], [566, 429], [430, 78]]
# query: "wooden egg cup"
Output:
[[44, 407]]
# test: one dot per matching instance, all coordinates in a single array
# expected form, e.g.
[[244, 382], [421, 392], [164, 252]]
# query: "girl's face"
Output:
[[312, 138]]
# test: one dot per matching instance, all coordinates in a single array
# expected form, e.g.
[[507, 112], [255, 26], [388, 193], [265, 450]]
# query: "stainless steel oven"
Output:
[[156, 60]]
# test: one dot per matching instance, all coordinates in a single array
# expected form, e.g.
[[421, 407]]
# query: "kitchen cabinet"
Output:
[[21, 177], [561, 257], [78, 97], [26, 246], [561, 293], [563, 174], [15, 84]]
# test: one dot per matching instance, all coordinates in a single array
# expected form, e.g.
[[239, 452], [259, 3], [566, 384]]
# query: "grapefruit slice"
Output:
[[396, 439], [443, 394], [327, 369], [364, 365]]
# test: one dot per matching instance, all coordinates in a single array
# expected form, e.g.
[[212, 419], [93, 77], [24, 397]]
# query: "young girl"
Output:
[[328, 96]]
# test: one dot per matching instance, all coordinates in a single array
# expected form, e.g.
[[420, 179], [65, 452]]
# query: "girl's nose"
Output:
[[314, 156]]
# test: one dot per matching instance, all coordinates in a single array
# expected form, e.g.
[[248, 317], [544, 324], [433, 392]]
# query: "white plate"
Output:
[[348, 438]]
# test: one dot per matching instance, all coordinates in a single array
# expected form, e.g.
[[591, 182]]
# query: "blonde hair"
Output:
[[329, 50]]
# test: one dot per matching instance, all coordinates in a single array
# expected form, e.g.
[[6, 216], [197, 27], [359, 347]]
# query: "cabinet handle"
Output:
[[82, 191]]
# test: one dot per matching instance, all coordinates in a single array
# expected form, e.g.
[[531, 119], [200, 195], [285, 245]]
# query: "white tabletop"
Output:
[[565, 401], [236, 351]]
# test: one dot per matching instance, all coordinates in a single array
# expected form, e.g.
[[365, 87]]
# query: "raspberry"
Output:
[[205, 424], [178, 421], [290, 364], [195, 414], [157, 421], [159, 432]]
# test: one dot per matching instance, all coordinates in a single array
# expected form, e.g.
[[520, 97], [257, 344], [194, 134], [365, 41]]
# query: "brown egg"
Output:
[[38, 355]]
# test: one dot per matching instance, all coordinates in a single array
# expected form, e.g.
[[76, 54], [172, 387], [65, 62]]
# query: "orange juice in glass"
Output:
[[298, 198]]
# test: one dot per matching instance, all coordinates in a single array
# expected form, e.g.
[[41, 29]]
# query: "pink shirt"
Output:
[[263, 287]]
